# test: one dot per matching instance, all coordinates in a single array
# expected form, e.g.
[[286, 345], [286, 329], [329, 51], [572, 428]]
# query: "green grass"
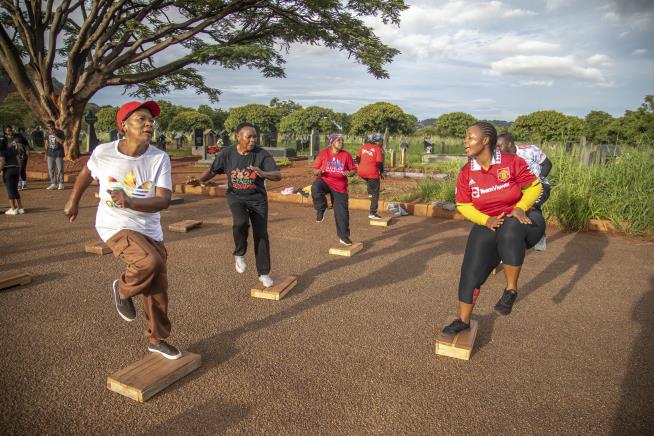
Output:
[[621, 191]]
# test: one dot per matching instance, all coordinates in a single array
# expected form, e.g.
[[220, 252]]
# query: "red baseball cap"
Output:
[[126, 110]]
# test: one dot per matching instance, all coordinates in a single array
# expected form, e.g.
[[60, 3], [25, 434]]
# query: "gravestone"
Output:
[[196, 149], [92, 138], [314, 145], [283, 153]]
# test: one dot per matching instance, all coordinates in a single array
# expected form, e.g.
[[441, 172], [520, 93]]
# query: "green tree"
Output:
[[106, 118], [263, 117], [597, 123], [218, 116], [454, 124], [14, 112], [542, 126], [168, 112], [283, 107], [188, 120], [377, 117], [637, 127], [151, 47], [314, 117]]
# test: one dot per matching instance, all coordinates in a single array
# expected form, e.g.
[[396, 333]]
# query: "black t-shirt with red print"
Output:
[[241, 180], [497, 189]]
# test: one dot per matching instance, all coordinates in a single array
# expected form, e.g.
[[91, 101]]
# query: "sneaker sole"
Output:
[[167, 356], [115, 294]]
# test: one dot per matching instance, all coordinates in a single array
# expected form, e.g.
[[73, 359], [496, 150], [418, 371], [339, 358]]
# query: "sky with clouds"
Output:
[[494, 59]]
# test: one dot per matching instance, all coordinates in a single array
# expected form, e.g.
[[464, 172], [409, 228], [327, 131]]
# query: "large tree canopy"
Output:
[[378, 117], [302, 121], [263, 117], [150, 46], [454, 124], [541, 126]]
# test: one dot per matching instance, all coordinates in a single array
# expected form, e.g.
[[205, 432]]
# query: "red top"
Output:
[[496, 190], [370, 155], [333, 166]]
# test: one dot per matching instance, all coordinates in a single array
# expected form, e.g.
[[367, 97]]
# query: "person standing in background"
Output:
[[54, 151], [370, 161]]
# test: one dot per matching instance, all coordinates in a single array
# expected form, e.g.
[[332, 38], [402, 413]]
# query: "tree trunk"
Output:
[[70, 121]]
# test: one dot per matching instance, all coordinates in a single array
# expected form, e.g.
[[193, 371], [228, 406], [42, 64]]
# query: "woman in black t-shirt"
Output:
[[247, 166], [13, 149]]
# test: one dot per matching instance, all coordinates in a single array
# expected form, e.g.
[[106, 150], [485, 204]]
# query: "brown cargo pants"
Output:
[[147, 275]]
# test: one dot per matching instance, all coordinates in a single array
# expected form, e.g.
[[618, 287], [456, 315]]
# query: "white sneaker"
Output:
[[266, 280], [51, 187], [20, 211], [239, 263], [542, 244], [61, 186], [12, 212]]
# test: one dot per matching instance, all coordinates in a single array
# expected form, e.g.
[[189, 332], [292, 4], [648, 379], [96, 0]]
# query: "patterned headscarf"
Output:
[[333, 137]]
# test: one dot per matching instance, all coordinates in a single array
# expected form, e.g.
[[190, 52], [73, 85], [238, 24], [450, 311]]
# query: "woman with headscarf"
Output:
[[332, 167]]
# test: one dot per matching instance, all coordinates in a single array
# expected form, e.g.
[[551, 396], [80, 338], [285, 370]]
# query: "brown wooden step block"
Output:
[[7, 280], [277, 291], [384, 222], [184, 226], [96, 195], [345, 250], [458, 346], [152, 374], [97, 248], [175, 199]]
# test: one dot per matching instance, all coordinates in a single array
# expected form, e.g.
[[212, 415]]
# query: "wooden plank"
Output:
[[458, 346], [384, 222], [276, 291], [184, 226], [15, 279], [97, 195], [152, 374], [97, 248], [176, 199], [345, 250]]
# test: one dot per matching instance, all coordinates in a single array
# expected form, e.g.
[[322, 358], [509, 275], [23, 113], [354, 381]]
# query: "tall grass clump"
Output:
[[622, 191]]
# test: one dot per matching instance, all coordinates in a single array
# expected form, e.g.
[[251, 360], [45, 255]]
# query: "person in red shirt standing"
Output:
[[332, 167], [370, 160], [496, 191]]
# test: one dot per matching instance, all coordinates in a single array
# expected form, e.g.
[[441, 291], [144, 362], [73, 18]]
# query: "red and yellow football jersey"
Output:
[[496, 190]]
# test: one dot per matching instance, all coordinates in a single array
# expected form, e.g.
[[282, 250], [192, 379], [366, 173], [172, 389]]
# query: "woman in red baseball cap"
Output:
[[135, 184]]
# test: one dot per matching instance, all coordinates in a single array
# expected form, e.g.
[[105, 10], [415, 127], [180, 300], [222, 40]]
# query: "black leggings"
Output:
[[10, 177], [254, 209], [319, 189], [486, 248]]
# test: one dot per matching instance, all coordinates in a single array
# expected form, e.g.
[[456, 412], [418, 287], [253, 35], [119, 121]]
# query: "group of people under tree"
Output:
[[14, 157], [496, 190]]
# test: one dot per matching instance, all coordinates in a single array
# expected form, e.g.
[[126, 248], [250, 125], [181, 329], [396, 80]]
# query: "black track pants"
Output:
[[245, 210], [373, 190], [319, 189]]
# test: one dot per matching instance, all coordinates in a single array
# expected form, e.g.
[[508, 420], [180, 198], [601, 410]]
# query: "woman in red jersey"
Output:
[[495, 191]]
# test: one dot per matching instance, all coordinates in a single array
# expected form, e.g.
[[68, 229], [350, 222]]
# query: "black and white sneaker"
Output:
[[374, 216], [345, 241], [320, 216], [505, 305], [125, 307], [455, 327], [166, 350]]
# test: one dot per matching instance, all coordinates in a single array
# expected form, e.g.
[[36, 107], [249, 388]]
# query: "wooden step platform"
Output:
[[344, 250], [277, 291], [459, 346], [97, 248], [15, 279], [184, 226], [176, 199], [152, 374], [384, 222]]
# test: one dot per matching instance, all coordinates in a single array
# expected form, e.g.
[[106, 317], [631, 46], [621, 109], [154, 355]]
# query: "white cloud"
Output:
[[553, 5], [639, 51], [599, 60], [514, 44], [521, 83], [542, 68]]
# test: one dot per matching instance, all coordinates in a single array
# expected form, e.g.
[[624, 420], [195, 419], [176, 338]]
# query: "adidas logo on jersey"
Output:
[[472, 182]]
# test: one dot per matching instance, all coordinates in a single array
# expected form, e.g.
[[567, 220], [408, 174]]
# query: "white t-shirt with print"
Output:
[[534, 156], [138, 177]]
